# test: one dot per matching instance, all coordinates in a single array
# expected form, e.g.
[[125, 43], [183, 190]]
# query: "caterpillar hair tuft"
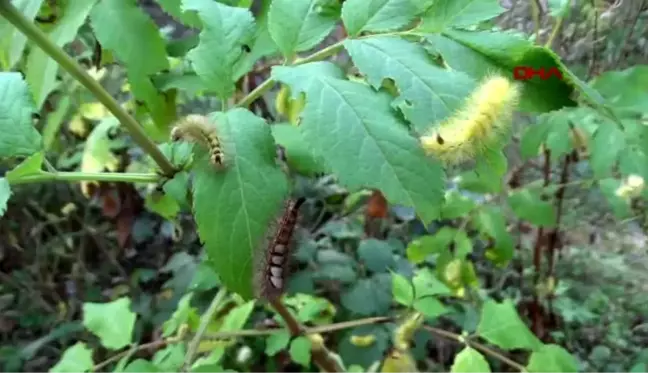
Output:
[[478, 125], [199, 129], [272, 266]]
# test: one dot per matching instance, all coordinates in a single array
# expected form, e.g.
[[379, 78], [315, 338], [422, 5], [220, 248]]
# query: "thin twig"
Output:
[[202, 328], [476, 345]]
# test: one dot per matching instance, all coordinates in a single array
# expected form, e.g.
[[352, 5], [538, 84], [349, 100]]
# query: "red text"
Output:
[[528, 72]]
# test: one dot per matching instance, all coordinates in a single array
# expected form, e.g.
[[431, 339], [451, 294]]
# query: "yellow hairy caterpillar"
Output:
[[477, 125], [272, 267], [198, 129]]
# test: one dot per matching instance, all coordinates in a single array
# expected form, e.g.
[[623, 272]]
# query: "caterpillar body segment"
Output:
[[477, 126], [271, 272], [198, 129]]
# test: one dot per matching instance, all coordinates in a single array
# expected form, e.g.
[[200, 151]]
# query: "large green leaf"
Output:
[[225, 31], [552, 358], [364, 142], [458, 13], [233, 208], [112, 322], [298, 25], [501, 325], [470, 360], [428, 93], [480, 53], [123, 27], [41, 70], [376, 15], [19, 137], [12, 41]]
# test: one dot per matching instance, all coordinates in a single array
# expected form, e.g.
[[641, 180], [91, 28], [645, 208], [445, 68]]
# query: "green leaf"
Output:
[[376, 15], [604, 150], [428, 93], [481, 53], [490, 221], [171, 358], [430, 307], [458, 13], [141, 366], [174, 8], [12, 41], [112, 322], [5, 194], [402, 289], [501, 325], [300, 351], [183, 314], [624, 89], [298, 154], [559, 8], [296, 26], [277, 342], [123, 28], [225, 31], [376, 255], [41, 70], [552, 358], [365, 143], [530, 206], [469, 360], [234, 208], [426, 284], [77, 358], [532, 138], [29, 167], [19, 137], [420, 248], [456, 205], [162, 204], [369, 296]]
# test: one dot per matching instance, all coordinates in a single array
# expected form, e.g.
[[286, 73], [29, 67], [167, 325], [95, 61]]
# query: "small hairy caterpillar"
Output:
[[272, 266], [477, 126], [198, 129]]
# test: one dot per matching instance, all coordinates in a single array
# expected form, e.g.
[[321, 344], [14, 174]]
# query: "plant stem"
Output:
[[87, 176], [321, 357], [202, 328], [38, 37], [476, 346], [269, 83]]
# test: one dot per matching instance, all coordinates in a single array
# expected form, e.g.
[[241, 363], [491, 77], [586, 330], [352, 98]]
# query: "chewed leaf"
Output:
[[225, 30], [296, 26], [428, 93], [376, 15], [233, 208], [444, 14], [124, 28], [365, 143], [19, 137]]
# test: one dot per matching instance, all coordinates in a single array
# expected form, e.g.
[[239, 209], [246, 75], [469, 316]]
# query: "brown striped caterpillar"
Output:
[[199, 129], [272, 267]]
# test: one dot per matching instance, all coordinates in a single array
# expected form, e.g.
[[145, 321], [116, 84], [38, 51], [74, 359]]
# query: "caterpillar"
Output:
[[272, 266], [199, 129], [478, 125]]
